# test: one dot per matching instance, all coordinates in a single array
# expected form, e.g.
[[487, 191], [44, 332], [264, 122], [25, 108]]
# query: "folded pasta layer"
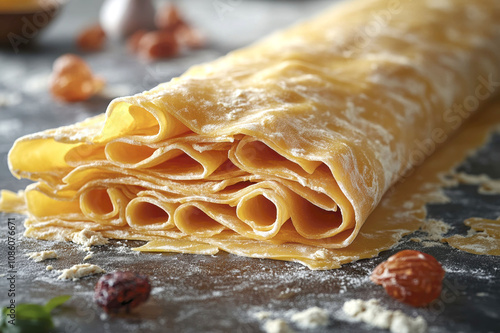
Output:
[[276, 150]]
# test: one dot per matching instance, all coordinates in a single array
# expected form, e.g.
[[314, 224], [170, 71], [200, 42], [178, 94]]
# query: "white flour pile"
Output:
[[372, 313]]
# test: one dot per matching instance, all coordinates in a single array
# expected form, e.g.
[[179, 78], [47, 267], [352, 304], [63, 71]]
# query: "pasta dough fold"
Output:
[[278, 150]]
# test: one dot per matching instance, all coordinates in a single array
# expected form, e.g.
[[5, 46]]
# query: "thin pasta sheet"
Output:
[[279, 150]]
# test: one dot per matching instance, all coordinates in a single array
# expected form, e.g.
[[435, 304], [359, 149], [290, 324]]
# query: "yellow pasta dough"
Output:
[[279, 150]]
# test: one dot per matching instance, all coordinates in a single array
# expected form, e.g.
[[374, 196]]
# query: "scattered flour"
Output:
[[408, 205], [466, 178], [372, 313], [491, 187], [431, 244], [88, 238], [261, 315], [42, 255], [277, 326], [308, 319], [124, 249], [320, 254], [78, 271], [486, 184], [435, 229], [289, 293], [157, 290], [311, 318]]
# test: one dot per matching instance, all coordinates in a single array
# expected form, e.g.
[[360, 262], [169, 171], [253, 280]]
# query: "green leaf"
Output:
[[31, 317], [3, 320], [56, 301], [31, 312]]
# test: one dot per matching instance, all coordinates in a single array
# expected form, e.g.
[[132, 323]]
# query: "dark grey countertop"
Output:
[[193, 293]]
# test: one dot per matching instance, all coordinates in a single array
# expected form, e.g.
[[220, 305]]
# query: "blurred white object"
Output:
[[121, 18]]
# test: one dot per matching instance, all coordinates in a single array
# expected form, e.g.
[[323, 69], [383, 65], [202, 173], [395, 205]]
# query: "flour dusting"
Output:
[[372, 313]]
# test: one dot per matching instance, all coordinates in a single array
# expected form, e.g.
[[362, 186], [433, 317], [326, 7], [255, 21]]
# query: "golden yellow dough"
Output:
[[279, 150]]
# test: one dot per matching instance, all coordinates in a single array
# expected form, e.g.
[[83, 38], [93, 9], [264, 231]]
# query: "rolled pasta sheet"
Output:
[[264, 210], [148, 212], [278, 150], [104, 205], [130, 121], [174, 161]]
